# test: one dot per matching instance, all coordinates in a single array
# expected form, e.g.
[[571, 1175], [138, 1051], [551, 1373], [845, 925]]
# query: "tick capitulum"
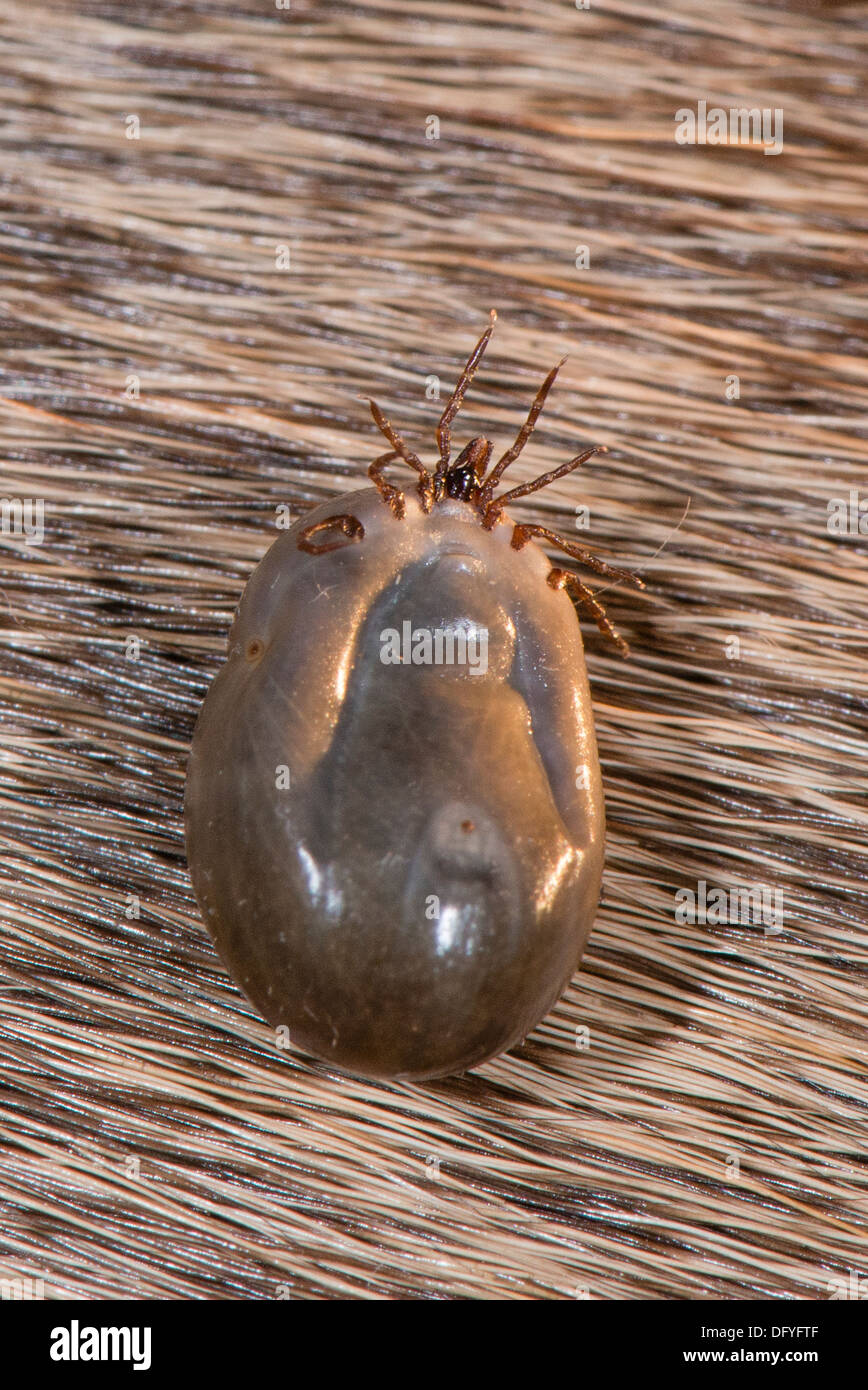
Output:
[[469, 480], [463, 480]]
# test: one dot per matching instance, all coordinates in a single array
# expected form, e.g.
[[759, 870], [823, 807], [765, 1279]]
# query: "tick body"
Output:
[[394, 811]]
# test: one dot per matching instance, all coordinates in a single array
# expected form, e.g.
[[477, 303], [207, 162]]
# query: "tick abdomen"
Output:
[[416, 898]]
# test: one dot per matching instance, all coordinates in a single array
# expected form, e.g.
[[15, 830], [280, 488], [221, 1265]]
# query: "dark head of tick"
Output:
[[464, 479], [470, 480]]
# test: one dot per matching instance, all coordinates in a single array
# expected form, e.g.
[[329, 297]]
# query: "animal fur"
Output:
[[189, 319]]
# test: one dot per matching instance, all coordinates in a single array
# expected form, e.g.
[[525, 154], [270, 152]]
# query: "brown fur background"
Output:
[[168, 382]]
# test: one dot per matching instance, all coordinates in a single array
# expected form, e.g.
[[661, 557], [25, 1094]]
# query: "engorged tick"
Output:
[[394, 809]]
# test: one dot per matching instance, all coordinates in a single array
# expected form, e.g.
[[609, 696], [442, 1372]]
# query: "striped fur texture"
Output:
[[221, 225]]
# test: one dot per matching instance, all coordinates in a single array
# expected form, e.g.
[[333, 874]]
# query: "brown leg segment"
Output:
[[563, 579], [426, 486], [494, 507], [392, 496], [523, 533], [348, 526], [453, 405], [521, 438]]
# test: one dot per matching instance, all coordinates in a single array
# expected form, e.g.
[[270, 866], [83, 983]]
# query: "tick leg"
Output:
[[494, 507], [522, 534], [453, 405], [521, 438], [563, 579], [392, 496], [426, 486], [349, 526]]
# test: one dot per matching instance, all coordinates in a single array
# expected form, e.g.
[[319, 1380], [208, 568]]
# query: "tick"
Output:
[[394, 811]]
